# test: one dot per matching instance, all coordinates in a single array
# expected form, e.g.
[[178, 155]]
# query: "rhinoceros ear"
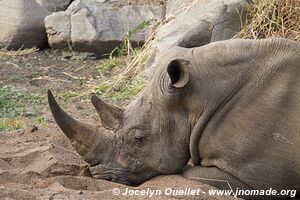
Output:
[[111, 116], [178, 71]]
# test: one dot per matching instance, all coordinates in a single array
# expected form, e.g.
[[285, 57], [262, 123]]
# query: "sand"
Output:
[[40, 163]]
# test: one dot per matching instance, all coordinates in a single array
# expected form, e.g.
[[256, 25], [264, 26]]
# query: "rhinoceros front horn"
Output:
[[88, 140]]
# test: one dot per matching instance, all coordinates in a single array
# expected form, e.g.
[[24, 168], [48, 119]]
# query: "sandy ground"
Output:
[[40, 163]]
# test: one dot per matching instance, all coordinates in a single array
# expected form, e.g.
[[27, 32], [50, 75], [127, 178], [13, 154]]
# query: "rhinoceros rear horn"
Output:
[[111, 116], [84, 137]]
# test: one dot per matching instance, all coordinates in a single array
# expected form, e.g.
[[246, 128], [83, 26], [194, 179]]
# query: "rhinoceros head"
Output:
[[147, 138]]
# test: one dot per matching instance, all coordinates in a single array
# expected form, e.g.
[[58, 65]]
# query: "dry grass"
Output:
[[20, 52], [145, 2], [136, 60], [272, 18], [124, 83], [12, 124]]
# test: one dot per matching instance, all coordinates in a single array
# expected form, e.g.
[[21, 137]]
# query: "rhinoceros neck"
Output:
[[225, 74]]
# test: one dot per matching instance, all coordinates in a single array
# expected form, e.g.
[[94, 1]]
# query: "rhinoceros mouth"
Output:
[[119, 175]]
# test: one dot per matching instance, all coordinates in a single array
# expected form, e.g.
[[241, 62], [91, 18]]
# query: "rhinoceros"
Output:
[[232, 107]]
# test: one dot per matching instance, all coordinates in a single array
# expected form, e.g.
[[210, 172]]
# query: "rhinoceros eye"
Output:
[[139, 135]]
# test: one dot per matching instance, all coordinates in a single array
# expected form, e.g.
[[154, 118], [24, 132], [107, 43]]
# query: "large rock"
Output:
[[22, 22], [94, 26], [174, 6], [54, 5], [197, 22]]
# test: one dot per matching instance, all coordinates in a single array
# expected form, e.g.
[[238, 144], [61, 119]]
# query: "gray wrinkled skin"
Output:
[[233, 107]]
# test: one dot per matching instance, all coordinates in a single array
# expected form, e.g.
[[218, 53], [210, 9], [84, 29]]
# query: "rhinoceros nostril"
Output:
[[109, 178], [114, 178]]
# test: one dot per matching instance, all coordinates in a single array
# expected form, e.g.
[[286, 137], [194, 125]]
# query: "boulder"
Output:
[[58, 27], [22, 22], [93, 26], [174, 6], [54, 5], [197, 22]]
